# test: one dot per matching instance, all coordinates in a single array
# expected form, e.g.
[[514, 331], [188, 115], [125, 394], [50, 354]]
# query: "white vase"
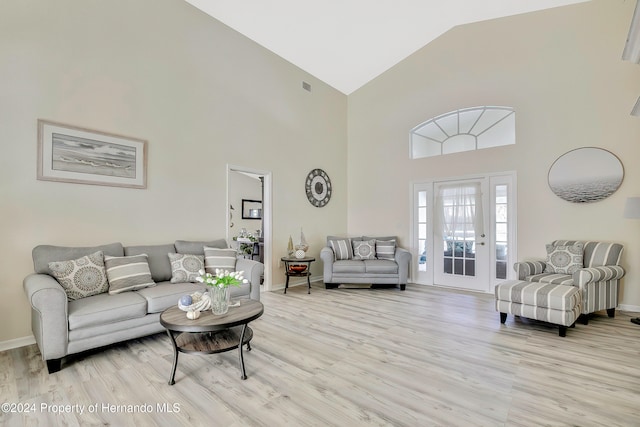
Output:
[[220, 299], [300, 254]]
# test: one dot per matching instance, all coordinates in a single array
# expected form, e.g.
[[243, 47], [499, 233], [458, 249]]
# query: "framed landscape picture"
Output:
[[73, 154]]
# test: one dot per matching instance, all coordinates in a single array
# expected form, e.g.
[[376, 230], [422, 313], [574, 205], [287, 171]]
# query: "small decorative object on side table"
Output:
[[297, 267]]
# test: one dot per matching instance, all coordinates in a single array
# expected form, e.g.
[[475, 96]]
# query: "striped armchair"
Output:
[[599, 279]]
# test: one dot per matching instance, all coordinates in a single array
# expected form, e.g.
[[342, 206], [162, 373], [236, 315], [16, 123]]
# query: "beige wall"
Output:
[[561, 70], [201, 94]]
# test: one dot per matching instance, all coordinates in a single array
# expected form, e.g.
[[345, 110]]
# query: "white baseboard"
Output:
[[17, 343], [628, 307]]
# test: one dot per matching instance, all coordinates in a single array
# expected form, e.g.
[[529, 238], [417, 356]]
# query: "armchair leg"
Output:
[[503, 317], [611, 312], [584, 319], [403, 287], [563, 331], [54, 365]]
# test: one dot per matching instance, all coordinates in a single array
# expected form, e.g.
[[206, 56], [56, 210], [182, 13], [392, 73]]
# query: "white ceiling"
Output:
[[347, 43]]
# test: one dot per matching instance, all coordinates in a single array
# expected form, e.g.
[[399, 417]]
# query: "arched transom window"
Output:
[[467, 129]]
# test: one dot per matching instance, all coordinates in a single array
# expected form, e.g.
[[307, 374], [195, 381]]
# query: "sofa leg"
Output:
[[611, 312], [330, 285], [563, 331], [503, 317], [584, 319], [54, 365], [403, 287]]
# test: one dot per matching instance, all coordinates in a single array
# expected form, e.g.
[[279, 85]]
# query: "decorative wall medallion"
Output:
[[318, 188], [586, 175]]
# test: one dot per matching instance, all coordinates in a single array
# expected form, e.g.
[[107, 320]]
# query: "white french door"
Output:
[[464, 231], [461, 257]]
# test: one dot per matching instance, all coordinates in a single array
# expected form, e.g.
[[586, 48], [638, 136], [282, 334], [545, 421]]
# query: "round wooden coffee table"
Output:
[[211, 333]]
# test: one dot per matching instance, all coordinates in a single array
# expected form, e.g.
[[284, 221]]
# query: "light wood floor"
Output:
[[353, 357]]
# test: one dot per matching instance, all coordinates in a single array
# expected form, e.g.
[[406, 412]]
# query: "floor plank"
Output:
[[350, 357]]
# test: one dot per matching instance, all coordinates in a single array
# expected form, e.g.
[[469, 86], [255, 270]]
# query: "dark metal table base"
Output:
[[210, 343]]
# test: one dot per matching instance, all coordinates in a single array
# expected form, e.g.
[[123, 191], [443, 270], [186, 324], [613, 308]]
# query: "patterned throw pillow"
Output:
[[564, 259], [386, 249], [185, 267], [341, 249], [364, 249], [219, 258], [81, 277], [128, 273]]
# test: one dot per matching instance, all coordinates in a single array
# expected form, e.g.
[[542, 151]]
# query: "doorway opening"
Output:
[[249, 201]]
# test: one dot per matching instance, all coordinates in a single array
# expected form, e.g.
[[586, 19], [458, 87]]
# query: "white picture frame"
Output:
[[73, 154]]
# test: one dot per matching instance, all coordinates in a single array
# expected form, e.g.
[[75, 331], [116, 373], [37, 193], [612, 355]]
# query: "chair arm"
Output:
[[327, 257], [597, 274], [529, 268], [403, 258], [49, 314], [253, 271]]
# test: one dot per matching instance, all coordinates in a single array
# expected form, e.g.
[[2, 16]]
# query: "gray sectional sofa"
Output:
[[365, 260], [62, 326]]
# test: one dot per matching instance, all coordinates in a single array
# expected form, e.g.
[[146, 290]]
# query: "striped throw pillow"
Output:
[[341, 249], [128, 273], [224, 259], [386, 249]]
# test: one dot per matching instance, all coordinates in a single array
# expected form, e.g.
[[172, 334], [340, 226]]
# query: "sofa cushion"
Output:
[[197, 248], [167, 294], [215, 258], [157, 257], [44, 254], [380, 266], [387, 238], [564, 259], [364, 249], [82, 277], [541, 295], [185, 267], [553, 278], [105, 308], [128, 273], [597, 254], [348, 266], [386, 249], [342, 249]]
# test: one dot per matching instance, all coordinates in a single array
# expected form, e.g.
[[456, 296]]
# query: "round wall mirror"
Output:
[[586, 175]]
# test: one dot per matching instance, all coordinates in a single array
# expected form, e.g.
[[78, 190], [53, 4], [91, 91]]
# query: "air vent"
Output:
[[306, 86]]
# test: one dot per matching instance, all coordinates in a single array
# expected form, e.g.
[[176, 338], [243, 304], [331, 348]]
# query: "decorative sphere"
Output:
[[299, 253], [193, 314], [186, 300]]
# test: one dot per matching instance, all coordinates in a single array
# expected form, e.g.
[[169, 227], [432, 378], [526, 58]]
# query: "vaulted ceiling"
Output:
[[347, 43]]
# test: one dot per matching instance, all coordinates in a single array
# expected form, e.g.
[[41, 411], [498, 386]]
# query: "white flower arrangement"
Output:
[[222, 278]]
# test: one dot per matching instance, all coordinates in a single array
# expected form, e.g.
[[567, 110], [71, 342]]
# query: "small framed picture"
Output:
[[73, 154], [251, 209]]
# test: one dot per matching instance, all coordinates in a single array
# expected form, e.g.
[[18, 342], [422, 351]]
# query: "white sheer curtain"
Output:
[[459, 208]]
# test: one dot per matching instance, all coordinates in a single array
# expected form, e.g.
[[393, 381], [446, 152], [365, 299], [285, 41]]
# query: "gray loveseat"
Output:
[[62, 327], [364, 260]]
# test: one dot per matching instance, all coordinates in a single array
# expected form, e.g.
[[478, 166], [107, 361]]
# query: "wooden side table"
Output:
[[289, 272]]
